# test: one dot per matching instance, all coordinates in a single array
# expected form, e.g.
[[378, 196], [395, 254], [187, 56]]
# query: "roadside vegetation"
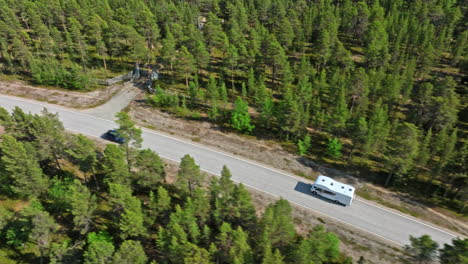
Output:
[[376, 88], [64, 200]]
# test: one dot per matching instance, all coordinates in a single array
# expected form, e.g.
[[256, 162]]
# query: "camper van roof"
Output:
[[335, 186]]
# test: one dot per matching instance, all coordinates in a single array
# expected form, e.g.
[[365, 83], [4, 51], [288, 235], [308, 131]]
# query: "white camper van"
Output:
[[333, 190]]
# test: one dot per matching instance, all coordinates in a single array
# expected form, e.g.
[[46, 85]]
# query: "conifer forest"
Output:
[[377, 88]]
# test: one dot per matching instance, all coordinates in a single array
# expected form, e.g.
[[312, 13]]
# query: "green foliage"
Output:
[[51, 72], [163, 99], [130, 252], [422, 249], [20, 174], [114, 166], [129, 217], [189, 176], [82, 206], [100, 248], [319, 247], [218, 224], [334, 148], [277, 225], [402, 150], [303, 145], [240, 117], [150, 169], [455, 253]]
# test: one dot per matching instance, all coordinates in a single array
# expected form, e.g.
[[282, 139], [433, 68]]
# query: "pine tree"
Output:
[[83, 206], [129, 216], [401, 151], [159, 204], [150, 168], [359, 131], [201, 55], [251, 85], [79, 43], [185, 63], [168, 50], [114, 166], [334, 148], [130, 252], [100, 248], [49, 139], [455, 253], [189, 176], [83, 152], [233, 58], [271, 257], [303, 145], [131, 136], [42, 231], [424, 151], [20, 173], [277, 224], [320, 247], [267, 112], [422, 249]]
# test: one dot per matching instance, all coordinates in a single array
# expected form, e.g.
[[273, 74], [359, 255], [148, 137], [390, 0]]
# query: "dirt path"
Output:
[[72, 99], [116, 103]]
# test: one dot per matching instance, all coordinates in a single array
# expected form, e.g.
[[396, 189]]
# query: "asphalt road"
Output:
[[386, 224]]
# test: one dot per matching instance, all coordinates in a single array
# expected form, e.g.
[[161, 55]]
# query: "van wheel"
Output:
[[314, 193], [336, 201]]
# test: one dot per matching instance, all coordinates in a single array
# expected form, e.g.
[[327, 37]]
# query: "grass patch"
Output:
[[196, 139]]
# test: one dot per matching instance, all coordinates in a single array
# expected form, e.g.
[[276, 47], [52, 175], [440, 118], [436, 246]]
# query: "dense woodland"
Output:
[[64, 200], [377, 87]]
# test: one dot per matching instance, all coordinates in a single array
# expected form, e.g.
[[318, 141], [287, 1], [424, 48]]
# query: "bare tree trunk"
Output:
[[351, 151], [389, 177]]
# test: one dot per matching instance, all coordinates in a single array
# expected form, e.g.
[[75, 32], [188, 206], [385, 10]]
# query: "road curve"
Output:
[[381, 222]]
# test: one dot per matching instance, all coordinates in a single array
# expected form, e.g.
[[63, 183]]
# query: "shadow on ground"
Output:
[[304, 188]]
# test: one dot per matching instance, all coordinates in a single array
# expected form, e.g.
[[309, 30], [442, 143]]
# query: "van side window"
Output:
[[328, 192]]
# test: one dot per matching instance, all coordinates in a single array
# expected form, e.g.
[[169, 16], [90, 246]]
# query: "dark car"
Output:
[[113, 135]]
